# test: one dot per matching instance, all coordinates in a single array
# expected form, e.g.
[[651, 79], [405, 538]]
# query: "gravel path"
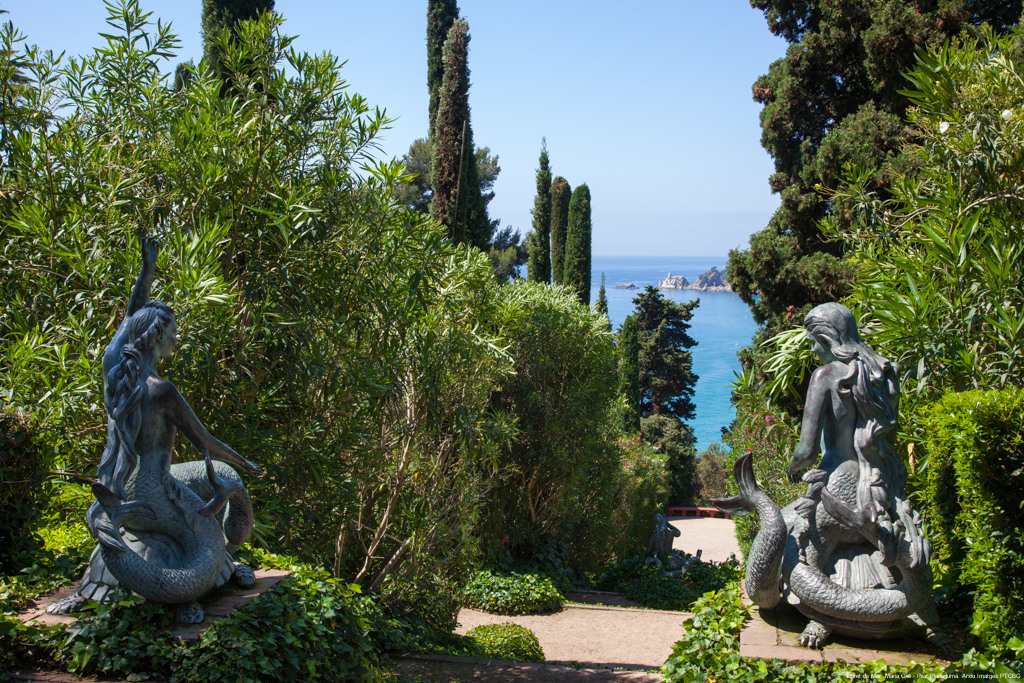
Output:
[[619, 637], [614, 637]]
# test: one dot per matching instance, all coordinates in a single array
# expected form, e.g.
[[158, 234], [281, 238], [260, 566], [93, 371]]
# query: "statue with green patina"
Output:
[[850, 554], [166, 532]]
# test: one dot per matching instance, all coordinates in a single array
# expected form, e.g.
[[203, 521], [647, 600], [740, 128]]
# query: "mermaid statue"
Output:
[[166, 532], [850, 554]]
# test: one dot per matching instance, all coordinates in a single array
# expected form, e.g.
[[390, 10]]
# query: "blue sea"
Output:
[[721, 325]]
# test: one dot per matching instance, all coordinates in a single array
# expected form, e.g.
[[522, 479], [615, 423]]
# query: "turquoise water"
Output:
[[721, 325]]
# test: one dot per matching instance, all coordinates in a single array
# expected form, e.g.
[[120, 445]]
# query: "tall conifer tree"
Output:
[[538, 267], [224, 15], [629, 375], [560, 195], [452, 137], [441, 14], [601, 305], [576, 269]]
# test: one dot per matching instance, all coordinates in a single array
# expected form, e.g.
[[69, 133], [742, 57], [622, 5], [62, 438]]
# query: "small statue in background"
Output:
[[660, 552], [158, 537], [850, 555]]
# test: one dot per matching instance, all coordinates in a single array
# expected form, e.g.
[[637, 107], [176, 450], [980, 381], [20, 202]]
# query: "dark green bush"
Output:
[[507, 641], [975, 475], [709, 651], [24, 487], [307, 627], [649, 586], [512, 593]]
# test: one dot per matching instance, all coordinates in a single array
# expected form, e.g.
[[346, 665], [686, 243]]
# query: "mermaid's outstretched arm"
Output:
[[138, 298], [182, 416]]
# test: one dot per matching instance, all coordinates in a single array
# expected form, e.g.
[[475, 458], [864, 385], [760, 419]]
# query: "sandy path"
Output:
[[619, 637], [608, 636]]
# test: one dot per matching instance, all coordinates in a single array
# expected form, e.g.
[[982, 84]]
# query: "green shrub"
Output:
[[709, 651], [512, 593], [24, 485], [764, 429], [975, 444], [641, 493], [649, 586], [559, 463], [507, 641], [307, 627]]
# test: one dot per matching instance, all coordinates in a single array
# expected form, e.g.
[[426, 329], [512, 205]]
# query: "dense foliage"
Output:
[[939, 261], [834, 100], [511, 593], [576, 259], [561, 465], [561, 193], [709, 651], [975, 442], [507, 641], [710, 473], [649, 586], [539, 264], [667, 381], [629, 375], [220, 19]]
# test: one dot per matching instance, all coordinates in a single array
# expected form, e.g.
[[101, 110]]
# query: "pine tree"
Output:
[[834, 101], [667, 381], [629, 375], [538, 266], [451, 137], [576, 268], [441, 14], [666, 363], [560, 195], [223, 15]]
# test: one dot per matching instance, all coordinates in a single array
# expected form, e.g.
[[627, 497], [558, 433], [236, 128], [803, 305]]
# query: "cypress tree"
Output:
[[223, 15], [601, 306], [629, 375], [538, 266], [441, 14], [451, 137], [576, 268], [560, 194]]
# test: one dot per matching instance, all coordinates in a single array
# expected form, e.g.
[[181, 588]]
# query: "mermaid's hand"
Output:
[[150, 250]]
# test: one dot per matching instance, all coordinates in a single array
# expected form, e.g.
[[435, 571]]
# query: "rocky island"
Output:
[[711, 281]]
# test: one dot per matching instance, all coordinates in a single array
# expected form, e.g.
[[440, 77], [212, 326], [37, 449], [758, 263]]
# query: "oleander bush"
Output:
[[975, 475], [506, 641], [512, 593]]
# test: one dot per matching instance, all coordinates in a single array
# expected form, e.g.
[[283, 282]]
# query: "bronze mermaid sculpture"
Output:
[[850, 554], [166, 532]]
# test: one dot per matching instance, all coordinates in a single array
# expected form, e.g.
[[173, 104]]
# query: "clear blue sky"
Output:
[[647, 102]]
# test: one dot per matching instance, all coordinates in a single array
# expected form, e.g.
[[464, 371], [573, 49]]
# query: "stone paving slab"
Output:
[[775, 633], [216, 605]]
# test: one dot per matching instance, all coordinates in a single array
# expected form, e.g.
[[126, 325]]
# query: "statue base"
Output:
[[216, 604], [775, 633]]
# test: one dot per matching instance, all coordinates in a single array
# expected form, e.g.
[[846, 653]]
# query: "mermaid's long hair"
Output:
[[873, 382], [122, 394]]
